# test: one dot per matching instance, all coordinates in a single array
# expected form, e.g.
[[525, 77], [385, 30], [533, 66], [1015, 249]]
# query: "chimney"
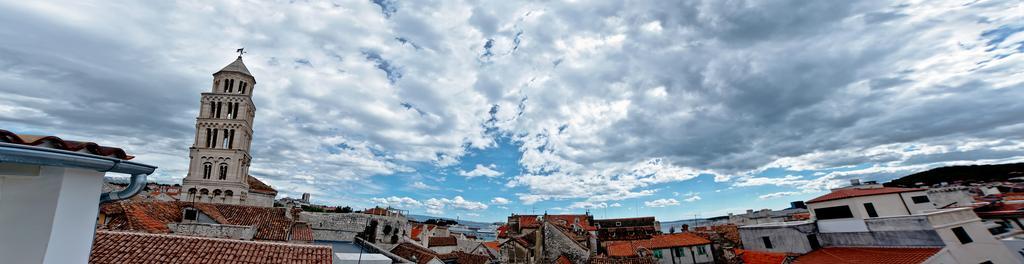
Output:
[[750, 211], [854, 182], [305, 197], [685, 228]]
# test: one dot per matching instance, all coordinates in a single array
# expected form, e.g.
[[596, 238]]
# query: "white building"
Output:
[[50, 192], [219, 157], [876, 216]]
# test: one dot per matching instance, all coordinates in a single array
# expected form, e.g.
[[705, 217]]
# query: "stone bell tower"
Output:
[[219, 157]]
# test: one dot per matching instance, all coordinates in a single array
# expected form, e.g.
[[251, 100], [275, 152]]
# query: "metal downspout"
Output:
[[134, 187]]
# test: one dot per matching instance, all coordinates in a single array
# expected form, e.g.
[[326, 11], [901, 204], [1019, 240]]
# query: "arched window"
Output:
[[234, 113], [216, 192], [204, 192], [229, 193], [213, 109], [213, 140], [231, 140], [226, 85], [244, 85], [223, 171], [209, 138], [207, 170], [192, 191], [227, 139], [219, 104]]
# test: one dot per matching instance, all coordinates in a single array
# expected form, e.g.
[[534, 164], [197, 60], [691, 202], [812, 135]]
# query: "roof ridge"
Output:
[[262, 242]]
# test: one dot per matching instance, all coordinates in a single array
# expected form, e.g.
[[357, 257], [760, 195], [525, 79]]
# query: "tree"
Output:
[[672, 230], [346, 209]]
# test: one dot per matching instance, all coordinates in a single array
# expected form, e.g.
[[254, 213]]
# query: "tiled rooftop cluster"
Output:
[[126, 247]]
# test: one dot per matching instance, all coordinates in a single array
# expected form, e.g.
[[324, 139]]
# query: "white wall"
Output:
[[983, 248], [47, 214]]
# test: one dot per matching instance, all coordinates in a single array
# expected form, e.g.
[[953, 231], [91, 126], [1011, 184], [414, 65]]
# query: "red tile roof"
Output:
[[853, 255], [460, 257], [492, 245], [416, 230], [503, 231], [857, 192], [257, 186], [408, 250], [528, 221], [61, 144], [583, 221], [628, 248], [562, 259], [153, 217], [301, 232], [761, 257], [1000, 210], [626, 260], [442, 241], [125, 247]]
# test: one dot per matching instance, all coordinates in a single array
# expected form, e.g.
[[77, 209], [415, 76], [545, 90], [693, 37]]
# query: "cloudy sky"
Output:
[[482, 108]]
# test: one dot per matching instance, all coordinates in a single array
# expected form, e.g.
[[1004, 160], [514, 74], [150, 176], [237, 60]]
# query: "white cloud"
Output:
[[399, 202], [500, 201], [788, 180], [481, 170], [693, 198], [777, 195], [423, 186], [661, 202]]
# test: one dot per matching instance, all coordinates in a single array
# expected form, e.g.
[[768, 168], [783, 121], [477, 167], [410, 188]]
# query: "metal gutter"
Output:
[[24, 154]]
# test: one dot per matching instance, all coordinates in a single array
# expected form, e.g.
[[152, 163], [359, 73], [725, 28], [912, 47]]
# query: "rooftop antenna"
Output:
[[240, 52]]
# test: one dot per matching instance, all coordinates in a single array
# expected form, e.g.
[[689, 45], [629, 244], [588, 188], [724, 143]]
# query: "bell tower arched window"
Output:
[[223, 171], [209, 138], [226, 143], [207, 170]]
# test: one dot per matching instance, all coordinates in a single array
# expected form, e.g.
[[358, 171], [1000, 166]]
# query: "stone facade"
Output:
[[219, 156], [557, 244], [213, 230], [345, 226]]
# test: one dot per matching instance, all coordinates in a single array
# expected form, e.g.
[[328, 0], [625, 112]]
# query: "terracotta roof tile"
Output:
[[562, 259], [416, 230], [408, 250], [459, 257], [492, 245], [124, 247], [583, 221], [761, 257], [628, 248], [257, 186], [301, 232], [853, 255], [61, 144], [153, 217], [442, 241], [857, 192]]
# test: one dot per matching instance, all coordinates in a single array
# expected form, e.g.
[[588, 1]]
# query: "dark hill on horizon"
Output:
[[964, 173]]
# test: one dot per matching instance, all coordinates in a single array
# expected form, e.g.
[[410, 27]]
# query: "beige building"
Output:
[[219, 156]]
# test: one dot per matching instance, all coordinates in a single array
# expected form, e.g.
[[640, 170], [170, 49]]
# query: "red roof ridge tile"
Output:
[[62, 144], [259, 242], [858, 192]]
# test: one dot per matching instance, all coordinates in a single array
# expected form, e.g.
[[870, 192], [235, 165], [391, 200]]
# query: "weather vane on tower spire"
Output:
[[240, 52]]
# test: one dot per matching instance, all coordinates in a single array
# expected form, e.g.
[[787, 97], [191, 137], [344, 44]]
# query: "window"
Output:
[[767, 242], [227, 139], [209, 138], [231, 115], [920, 199], [218, 109], [223, 171], [244, 85], [871, 209], [216, 192], [657, 253], [213, 142], [231, 139], [213, 109], [229, 193], [961, 234], [836, 212], [987, 262], [234, 113], [207, 168], [618, 223], [700, 251], [680, 252], [204, 192], [226, 84], [191, 214]]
